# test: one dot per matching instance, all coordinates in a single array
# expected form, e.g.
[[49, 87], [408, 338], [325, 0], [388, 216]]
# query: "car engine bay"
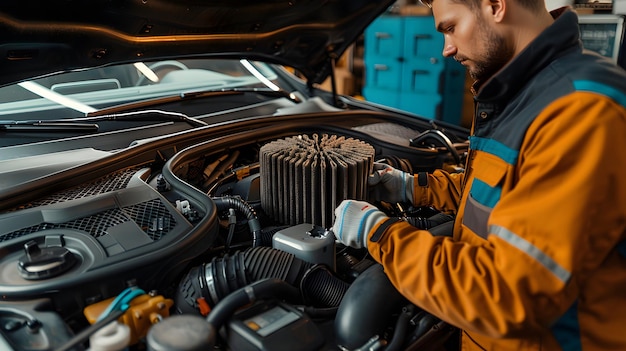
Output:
[[220, 244]]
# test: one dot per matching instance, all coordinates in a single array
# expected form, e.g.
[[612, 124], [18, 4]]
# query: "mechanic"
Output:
[[537, 258]]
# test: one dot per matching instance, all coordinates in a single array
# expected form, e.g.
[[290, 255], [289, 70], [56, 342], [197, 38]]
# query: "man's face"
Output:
[[471, 38]]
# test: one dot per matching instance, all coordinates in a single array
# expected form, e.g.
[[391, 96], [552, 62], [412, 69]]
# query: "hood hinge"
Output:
[[332, 61]]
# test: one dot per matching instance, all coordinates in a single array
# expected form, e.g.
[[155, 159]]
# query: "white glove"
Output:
[[354, 220], [389, 184]]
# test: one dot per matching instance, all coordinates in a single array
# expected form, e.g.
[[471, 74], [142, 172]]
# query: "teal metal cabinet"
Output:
[[405, 69]]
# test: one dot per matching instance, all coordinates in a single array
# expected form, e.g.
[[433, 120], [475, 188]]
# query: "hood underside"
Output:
[[41, 37]]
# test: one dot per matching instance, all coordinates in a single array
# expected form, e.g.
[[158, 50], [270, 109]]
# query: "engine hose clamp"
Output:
[[250, 292]]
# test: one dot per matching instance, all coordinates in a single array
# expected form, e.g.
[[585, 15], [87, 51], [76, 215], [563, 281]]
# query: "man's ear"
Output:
[[495, 9]]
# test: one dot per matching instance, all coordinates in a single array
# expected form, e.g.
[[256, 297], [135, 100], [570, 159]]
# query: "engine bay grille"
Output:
[[151, 216], [110, 182]]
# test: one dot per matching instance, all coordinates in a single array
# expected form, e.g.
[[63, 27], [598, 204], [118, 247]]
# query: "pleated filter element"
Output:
[[304, 178]]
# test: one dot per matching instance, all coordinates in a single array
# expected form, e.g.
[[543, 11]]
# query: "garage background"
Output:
[[398, 60]]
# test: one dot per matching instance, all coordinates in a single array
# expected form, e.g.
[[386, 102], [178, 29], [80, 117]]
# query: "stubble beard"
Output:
[[497, 53]]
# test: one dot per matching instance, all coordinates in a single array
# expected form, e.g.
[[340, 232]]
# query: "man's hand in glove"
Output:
[[389, 184], [354, 220]]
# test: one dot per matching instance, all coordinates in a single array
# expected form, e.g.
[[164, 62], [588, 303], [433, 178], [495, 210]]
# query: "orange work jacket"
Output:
[[537, 258]]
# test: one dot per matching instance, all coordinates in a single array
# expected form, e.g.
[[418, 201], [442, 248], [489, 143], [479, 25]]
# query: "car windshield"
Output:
[[79, 93]]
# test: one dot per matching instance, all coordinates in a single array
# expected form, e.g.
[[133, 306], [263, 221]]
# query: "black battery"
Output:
[[273, 326]]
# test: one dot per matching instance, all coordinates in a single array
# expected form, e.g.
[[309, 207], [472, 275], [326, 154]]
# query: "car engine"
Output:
[[223, 244]]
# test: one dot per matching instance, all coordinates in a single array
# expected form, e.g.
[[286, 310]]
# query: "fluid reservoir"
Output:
[[114, 336], [308, 242], [183, 332]]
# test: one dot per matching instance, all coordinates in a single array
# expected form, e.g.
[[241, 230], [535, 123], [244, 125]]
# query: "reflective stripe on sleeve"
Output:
[[494, 147], [523, 245], [606, 90]]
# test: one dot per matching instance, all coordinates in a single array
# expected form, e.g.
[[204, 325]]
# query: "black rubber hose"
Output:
[[267, 262], [423, 322], [324, 312], [225, 202], [367, 308], [262, 289], [267, 235], [400, 331], [439, 136], [232, 223], [215, 280], [321, 288]]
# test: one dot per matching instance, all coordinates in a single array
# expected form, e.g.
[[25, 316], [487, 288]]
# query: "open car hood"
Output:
[[40, 37]]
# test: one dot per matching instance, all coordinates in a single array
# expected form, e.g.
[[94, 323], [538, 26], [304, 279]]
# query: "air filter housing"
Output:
[[304, 178]]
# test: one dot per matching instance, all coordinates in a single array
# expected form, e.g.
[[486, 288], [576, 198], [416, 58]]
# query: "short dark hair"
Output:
[[471, 3], [534, 5], [428, 3]]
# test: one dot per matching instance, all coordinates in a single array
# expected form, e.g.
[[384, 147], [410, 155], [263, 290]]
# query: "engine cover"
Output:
[[101, 236]]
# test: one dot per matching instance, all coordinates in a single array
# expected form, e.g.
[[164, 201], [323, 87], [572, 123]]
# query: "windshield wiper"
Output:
[[88, 124], [194, 95], [266, 92], [143, 115], [47, 126]]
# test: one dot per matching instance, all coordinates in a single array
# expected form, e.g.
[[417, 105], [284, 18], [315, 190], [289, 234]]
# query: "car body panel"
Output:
[[303, 34]]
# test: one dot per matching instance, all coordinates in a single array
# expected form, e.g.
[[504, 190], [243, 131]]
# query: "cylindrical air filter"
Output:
[[304, 178]]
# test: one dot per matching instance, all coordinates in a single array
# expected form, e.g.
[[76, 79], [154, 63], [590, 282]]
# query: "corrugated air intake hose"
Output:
[[211, 282]]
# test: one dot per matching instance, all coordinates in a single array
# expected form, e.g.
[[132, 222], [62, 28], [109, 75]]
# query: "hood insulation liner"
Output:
[[304, 178]]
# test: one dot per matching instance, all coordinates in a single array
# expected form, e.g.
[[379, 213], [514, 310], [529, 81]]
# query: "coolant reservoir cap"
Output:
[[39, 263], [181, 333]]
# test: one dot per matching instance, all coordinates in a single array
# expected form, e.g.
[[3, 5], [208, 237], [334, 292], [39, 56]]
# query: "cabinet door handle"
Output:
[[422, 36], [382, 35], [380, 67], [417, 72], [417, 38]]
